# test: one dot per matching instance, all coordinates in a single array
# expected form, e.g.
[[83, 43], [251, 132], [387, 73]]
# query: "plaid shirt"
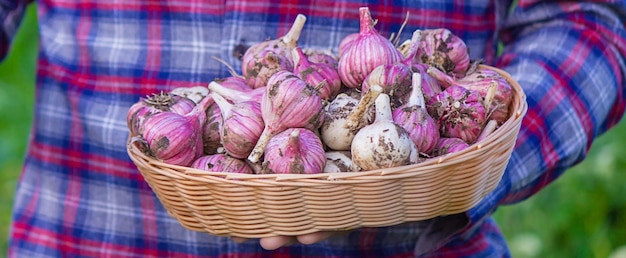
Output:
[[80, 195]]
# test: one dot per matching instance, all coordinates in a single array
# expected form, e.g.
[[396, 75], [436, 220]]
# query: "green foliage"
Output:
[[582, 214], [17, 80]]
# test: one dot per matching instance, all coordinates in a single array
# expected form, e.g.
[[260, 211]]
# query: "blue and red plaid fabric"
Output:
[[80, 195]]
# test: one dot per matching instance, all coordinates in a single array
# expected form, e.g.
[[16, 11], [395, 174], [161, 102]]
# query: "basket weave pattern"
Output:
[[254, 206]]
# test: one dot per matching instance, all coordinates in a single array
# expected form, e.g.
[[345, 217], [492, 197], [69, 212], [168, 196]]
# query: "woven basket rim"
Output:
[[517, 112]]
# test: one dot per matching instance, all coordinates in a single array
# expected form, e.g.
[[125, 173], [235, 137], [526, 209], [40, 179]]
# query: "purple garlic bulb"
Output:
[[414, 118], [221, 163], [211, 139], [176, 139], [488, 83], [447, 146], [321, 76], [157, 103], [321, 56], [445, 51], [459, 112], [395, 79], [295, 151], [237, 83], [368, 51], [347, 42], [264, 59], [241, 127]]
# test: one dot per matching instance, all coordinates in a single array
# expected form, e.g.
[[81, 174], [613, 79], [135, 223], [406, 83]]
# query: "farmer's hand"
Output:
[[272, 243]]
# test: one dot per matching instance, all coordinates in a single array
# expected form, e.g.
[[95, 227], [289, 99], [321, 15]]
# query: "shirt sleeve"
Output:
[[11, 14], [569, 58]]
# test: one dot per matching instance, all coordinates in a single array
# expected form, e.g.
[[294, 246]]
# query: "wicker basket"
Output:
[[254, 206]]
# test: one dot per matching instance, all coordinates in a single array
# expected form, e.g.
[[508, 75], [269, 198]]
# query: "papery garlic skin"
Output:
[[368, 51], [383, 144], [237, 83], [339, 161], [221, 163], [295, 151]]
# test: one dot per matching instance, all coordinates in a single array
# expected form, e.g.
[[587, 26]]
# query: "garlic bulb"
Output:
[[242, 126], [445, 51], [321, 56], [321, 76], [368, 51], [344, 116], [221, 163], [211, 139], [414, 118], [489, 83], [264, 59], [460, 113], [383, 144], [448, 145], [157, 103], [176, 139], [234, 82], [395, 79], [288, 102], [295, 151], [339, 161]]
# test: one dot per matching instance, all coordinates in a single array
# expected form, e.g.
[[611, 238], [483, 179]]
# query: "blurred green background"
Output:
[[582, 214]]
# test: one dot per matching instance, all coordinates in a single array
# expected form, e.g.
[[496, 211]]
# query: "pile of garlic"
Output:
[[305, 111]]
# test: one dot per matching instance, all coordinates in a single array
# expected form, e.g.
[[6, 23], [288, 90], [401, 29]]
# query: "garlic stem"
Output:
[[294, 139], [413, 47], [489, 128], [355, 119], [226, 108], [417, 96], [228, 93], [366, 21], [259, 148], [383, 108], [292, 36], [491, 92]]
